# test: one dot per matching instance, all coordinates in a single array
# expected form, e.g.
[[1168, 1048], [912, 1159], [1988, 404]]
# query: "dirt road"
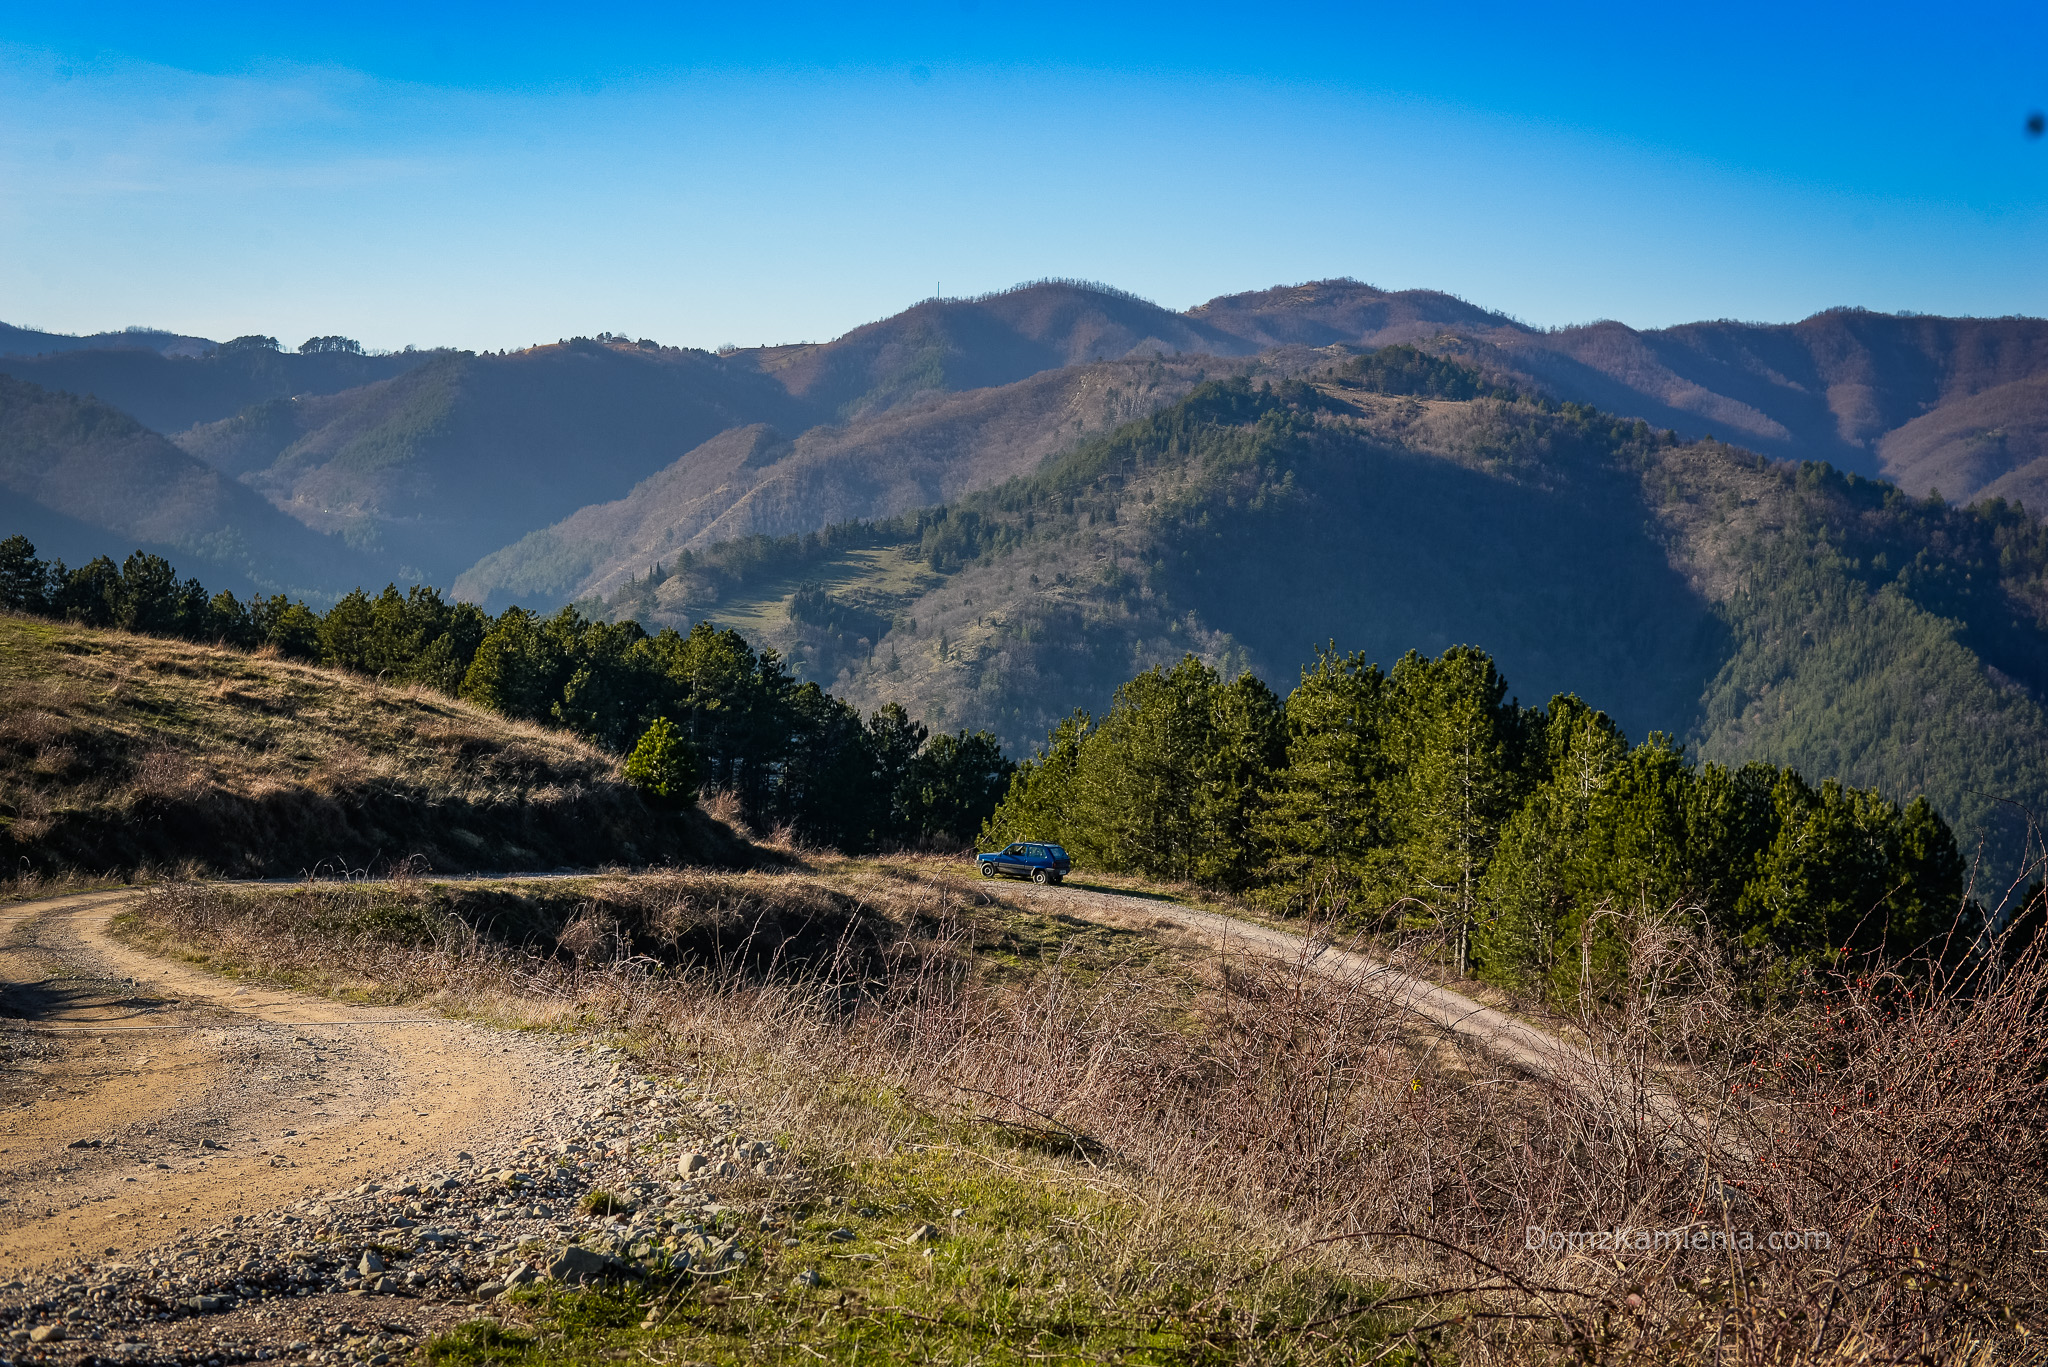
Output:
[[140, 1096], [1500, 1034]]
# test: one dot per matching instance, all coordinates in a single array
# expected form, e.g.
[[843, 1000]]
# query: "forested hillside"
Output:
[[562, 471], [681, 710], [76, 473], [21, 341], [1525, 842], [757, 481], [1754, 610]]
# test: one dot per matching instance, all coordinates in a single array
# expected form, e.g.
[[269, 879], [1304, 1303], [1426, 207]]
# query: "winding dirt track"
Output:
[[141, 1097], [1470, 1022]]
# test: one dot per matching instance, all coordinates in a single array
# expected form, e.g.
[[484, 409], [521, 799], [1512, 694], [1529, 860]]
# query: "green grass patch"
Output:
[[1033, 1261]]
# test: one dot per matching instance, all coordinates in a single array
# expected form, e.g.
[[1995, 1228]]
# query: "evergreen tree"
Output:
[[663, 765], [91, 594], [24, 580], [1324, 820], [1458, 747], [1138, 791], [959, 780], [1041, 793], [1247, 746], [519, 670], [894, 741], [1536, 879], [228, 621], [826, 788]]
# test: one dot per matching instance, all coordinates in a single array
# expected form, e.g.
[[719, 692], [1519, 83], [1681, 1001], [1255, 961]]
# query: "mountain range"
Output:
[[836, 499], [557, 472]]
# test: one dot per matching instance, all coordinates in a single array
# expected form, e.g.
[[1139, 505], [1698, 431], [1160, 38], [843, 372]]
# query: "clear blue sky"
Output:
[[490, 176]]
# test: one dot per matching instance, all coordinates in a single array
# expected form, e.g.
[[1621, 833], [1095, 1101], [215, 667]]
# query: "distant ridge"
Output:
[[20, 341]]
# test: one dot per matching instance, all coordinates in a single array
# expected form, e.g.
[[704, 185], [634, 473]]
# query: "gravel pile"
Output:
[[634, 1179]]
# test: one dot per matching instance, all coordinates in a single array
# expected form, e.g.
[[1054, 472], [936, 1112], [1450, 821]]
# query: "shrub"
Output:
[[664, 764]]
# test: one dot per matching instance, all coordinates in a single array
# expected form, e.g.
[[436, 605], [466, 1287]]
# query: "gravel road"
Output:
[[202, 1173], [196, 1172]]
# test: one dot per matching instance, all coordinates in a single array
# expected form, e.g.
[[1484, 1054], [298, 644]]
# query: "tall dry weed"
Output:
[[1891, 1119]]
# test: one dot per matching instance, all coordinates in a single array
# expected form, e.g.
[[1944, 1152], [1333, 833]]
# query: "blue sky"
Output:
[[494, 176]]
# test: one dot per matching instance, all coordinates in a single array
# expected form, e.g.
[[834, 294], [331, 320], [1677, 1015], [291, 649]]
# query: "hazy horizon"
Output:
[[494, 178]]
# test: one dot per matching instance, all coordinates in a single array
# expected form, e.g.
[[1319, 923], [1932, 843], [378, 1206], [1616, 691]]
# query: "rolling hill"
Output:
[[998, 339], [754, 481], [120, 751], [436, 468], [81, 479], [1833, 387], [20, 341], [171, 391], [1755, 609]]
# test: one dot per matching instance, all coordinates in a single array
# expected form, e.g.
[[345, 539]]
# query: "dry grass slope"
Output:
[[1265, 1146], [119, 752]]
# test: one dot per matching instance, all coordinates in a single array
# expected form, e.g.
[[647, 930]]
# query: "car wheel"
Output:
[[1058, 879], [988, 870], [1040, 877]]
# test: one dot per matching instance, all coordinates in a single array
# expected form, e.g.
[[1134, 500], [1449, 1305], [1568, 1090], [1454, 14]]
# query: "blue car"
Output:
[[1027, 859]]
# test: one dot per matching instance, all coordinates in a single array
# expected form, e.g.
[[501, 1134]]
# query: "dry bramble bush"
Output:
[[1894, 1109]]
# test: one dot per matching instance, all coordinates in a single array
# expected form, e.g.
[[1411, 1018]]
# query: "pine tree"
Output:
[[1536, 880], [1324, 820], [1247, 745], [1138, 787], [663, 765], [1459, 748], [1039, 803], [24, 580]]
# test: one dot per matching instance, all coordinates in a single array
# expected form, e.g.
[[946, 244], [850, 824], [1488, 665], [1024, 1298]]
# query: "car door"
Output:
[[1013, 861]]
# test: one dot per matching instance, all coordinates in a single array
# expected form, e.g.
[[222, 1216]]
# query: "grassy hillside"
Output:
[[118, 751], [79, 474], [448, 462], [1756, 610]]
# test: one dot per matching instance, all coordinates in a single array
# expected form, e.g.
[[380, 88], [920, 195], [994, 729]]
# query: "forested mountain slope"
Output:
[[1993, 444], [466, 453], [77, 475], [757, 481], [1754, 609], [1833, 387]]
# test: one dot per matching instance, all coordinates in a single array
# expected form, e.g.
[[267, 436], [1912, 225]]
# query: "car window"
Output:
[[1056, 852], [1014, 849], [1034, 851]]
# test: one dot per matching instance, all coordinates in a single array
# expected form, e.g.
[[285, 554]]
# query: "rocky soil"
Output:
[[632, 1178]]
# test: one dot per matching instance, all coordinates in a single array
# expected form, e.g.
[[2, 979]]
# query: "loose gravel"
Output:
[[619, 1177]]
